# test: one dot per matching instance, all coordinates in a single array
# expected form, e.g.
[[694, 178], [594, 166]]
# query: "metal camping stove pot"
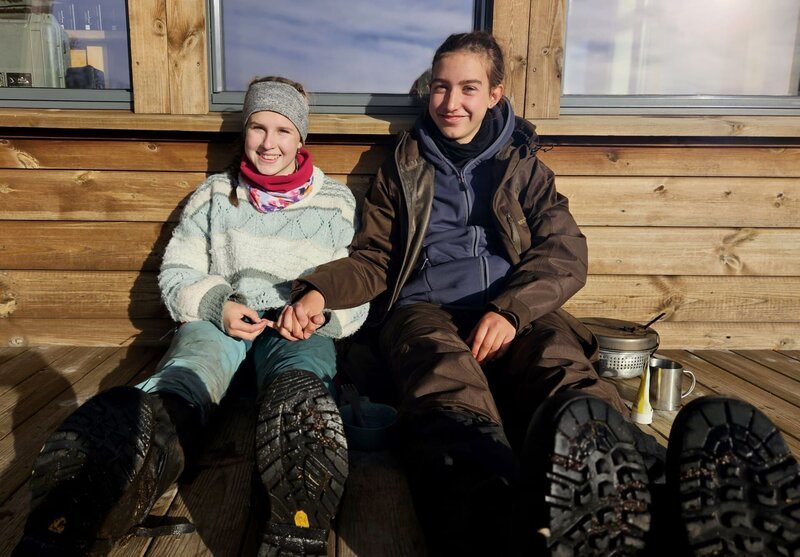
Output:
[[625, 347]]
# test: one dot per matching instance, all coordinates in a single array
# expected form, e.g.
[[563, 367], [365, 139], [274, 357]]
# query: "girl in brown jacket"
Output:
[[510, 439], [471, 252]]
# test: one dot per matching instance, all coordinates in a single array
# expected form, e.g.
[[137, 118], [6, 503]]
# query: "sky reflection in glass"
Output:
[[346, 46]]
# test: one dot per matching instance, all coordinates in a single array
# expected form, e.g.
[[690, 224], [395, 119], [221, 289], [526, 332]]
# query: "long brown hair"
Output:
[[233, 169]]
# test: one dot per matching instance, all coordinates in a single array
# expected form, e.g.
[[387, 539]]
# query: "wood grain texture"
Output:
[[721, 381], [730, 299], [694, 251], [16, 332], [738, 161], [85, 332], [682, 201], [19, 449], [714, 335], [82, 294], [377, 489], [594, 200], [694, 128], [202, 155], [135, 295], [108, 246], [109, 195], [126, 246], [779, 385], [188, 66], [547, 36], [207, 155], [776, 361], [149, 56], [95, 195], [510, 22]]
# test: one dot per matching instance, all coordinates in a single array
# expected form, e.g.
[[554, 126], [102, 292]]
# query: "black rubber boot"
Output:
[[736, 485], [587, 481], [462, 474], [99, 474], [301, 457]]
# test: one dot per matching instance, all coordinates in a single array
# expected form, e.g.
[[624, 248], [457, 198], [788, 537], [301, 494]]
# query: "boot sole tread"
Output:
[[596, 485], [739, 485], [301, 456], [98, 432]]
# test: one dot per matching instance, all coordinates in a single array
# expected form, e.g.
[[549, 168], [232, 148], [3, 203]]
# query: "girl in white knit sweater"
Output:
[[243, 237]]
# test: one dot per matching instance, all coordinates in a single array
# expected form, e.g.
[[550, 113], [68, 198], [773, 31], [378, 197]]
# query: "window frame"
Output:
[[323, 103], [680, 105]]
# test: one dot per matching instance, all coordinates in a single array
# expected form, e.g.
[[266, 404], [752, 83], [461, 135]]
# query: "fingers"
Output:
[[300, 322], [247, 331], [491, 338], [286, 324]]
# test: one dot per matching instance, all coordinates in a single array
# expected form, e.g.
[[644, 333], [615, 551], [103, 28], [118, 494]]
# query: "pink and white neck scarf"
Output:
[[267, 202]]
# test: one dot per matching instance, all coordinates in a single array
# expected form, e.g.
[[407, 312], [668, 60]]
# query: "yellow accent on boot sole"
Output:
[[301, 519]]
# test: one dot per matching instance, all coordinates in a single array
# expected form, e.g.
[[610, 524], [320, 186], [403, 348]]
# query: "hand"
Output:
[[491, 337], [233, 319], [301, 319]]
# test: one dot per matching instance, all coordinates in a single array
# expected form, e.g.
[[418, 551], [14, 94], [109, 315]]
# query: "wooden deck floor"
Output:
[[40, 386]]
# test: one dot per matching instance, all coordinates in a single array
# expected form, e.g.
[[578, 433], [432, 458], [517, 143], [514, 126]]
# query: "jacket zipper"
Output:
[[485, 279], [514, 234], [462, 180]]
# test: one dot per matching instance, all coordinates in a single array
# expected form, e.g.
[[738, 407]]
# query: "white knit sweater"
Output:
[[219, 252]]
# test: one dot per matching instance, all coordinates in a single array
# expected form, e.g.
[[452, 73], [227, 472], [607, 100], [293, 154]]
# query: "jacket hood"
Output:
[[524, 141]]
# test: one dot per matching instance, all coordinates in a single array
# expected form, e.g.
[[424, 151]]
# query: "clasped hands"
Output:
[[297, 321], [489, 339]]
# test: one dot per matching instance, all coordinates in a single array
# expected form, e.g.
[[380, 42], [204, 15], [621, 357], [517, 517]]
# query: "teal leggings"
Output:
[[202, 360]]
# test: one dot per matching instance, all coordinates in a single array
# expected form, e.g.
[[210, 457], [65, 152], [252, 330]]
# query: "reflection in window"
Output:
[[347, 46], [682, 47], [78, 44]]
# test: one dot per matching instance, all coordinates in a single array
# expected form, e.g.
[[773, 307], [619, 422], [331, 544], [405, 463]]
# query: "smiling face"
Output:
[[271, 142], [461, 94]]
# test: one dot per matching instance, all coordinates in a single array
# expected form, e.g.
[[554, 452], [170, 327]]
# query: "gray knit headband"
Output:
[[277, 97]]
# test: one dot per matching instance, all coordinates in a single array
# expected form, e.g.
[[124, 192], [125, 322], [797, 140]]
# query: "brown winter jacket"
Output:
[[546, 248]]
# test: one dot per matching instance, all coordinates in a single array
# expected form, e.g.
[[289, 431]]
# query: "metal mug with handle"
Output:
[[666, 379]]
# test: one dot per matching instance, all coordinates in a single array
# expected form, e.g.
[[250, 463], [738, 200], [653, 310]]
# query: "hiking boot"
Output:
[[736, 485], [301, 457], [99, 474], [587, 478]]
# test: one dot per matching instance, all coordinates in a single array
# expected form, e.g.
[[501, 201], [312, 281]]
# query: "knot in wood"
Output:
[[190, 41], [27, 160], [8, 306], [159, 27], [84, 178], [660, 188], [152, 147], [16, 341], [732, 261]]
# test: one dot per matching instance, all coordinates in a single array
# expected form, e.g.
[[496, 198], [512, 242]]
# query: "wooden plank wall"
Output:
[[707, 233]]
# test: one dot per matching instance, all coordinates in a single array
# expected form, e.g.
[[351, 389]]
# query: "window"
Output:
[[714, 55], [57, 53], [353, 55]]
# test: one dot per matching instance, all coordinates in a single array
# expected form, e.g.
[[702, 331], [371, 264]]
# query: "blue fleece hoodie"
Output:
[[462, 264]]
